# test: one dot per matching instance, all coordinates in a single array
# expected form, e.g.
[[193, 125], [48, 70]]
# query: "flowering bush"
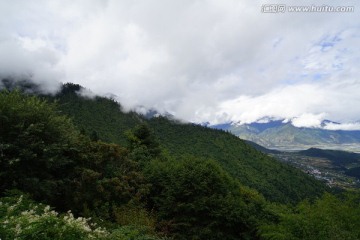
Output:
[[21, 218], [41, 222]]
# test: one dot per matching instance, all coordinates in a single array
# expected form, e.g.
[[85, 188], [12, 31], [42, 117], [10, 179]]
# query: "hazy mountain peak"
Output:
[[284, 135]]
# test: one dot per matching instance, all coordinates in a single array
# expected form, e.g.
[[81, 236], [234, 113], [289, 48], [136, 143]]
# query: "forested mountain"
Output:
[[261, 148], [339, 158], [139, 178], [280, 135], [98, 116], [104, 118]]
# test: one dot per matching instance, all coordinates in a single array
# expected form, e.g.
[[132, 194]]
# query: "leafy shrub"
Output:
[[328, 218], [38, 147], [20, 218], [197, 199]]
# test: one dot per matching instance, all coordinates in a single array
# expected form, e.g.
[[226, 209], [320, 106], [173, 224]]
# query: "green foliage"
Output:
[[142, 144], [43, 154], [106, 179], [251, 167], [142, 137], [133, 233], [242, 161], [20, 218], [354, 172], [196, 199], [328, 218], [137, 191], [338, 158], [98, 114], [134, 215], [37, 145]]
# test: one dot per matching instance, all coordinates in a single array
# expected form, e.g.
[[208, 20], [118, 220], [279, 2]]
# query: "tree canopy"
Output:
[[167, 180]]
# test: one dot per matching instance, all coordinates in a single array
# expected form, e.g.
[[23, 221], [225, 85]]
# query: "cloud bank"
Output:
[[344, 126], [202, 61]]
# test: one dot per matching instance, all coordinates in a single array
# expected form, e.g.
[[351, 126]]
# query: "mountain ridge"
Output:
[[284, 135], [202, 183], [241, 160]]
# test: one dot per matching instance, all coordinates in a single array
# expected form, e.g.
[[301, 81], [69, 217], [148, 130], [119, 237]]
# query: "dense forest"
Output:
[[73, 167]]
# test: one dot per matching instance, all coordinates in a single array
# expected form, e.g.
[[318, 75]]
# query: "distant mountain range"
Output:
[[285, 136]]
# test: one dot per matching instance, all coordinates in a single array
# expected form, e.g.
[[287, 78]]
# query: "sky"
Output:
[[200, 60]]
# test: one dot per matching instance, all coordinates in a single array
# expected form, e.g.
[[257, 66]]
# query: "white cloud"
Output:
[[281, 103], [86, 93], [308, 120], [200, 60], [344, 126]]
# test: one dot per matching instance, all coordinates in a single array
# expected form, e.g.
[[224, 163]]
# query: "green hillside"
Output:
[[63, 178], [253, 168], [261, 148], [339, 158], [241, 160], [100, 116]]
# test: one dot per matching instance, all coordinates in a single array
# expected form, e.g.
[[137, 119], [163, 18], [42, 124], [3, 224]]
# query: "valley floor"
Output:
[[321, 168]]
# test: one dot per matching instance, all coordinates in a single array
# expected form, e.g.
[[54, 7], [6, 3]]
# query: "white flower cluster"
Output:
[[84, 225], [19, 224]]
